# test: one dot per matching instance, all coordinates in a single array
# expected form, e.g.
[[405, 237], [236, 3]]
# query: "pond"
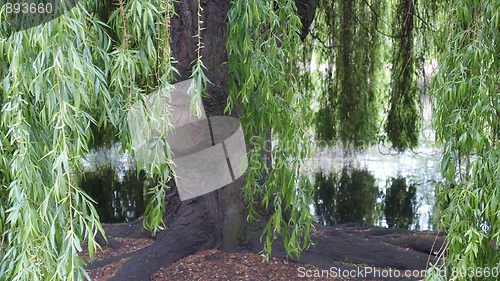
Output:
[[375, 187], [111, 179]]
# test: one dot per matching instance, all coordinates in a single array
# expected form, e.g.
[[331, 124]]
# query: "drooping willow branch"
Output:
[[350, 74], [402, 126], [268, 95], [200, 80]]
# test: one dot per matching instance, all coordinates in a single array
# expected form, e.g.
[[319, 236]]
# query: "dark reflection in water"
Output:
[[118, 199], [349, 196], [353, 195], [400, 203]]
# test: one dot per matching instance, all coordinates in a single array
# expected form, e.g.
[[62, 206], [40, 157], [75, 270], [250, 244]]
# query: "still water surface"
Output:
[[376, 187]]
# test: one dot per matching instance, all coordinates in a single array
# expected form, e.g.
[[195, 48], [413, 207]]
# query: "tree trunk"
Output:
[[217, 219]]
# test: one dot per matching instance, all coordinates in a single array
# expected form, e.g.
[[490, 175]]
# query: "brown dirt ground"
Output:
[[208, 265], [128, 245]]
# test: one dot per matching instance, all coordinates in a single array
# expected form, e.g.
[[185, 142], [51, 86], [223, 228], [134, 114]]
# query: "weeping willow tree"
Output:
[[64, 81], [467, 119], [403, 116], [370, 55], [349, 55]]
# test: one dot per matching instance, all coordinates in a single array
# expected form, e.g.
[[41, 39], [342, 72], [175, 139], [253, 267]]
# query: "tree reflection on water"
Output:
[[118, 199], [353, 195], [399, 203], [348, 196]]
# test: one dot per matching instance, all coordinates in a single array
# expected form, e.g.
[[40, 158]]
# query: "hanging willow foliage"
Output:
[[84, 70], [350, 57], [467, 120], [142, 63], [402, 126], [47, 72], [261, 34], [351, 40], [58, 79]]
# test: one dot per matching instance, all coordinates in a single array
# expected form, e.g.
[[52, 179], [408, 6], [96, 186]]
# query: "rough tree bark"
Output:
[[217, 219]]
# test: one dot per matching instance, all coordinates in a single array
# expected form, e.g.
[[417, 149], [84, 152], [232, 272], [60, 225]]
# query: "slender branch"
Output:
[[422, 20], [200, 22], [375, 27], [315, 36]]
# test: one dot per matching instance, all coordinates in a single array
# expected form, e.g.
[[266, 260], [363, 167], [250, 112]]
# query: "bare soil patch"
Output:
[[346, 247]]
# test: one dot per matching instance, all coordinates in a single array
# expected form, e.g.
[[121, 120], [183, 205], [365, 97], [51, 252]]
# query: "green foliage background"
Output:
[[467, 118], [350, 56]]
